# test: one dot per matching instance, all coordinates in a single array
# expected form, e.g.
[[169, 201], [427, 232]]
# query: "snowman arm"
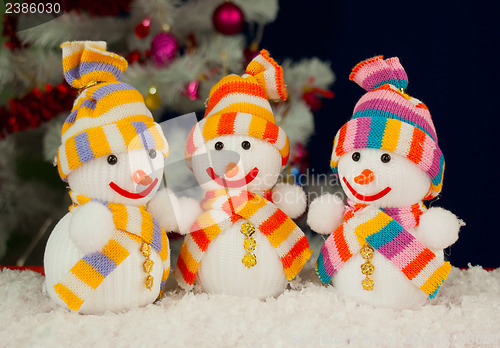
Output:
[[291, 199], [190, 210], [438, 228], [326, 213], [91, 227], [172, 213]]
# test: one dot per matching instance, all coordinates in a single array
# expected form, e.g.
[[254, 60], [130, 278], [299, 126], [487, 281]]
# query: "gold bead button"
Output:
[[249, 244], [249, 260], [146, 249], [367, 268], [149, 282], [367, 251], [247, 229], [367, 284], [148, 265]]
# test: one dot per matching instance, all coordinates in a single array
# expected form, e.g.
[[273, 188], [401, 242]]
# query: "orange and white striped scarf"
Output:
[[135, 227], [223, 209]]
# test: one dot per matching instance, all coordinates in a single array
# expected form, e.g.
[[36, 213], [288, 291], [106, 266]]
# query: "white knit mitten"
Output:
[[91, 227], [438, 228], [326, 213], [290, 198]]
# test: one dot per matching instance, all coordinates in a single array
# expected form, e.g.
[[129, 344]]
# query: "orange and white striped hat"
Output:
[[240, 105], [109, 116]]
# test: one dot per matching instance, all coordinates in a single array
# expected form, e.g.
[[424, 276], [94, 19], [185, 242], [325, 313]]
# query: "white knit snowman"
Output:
[[244, 243], [108, 253], [386, 248]]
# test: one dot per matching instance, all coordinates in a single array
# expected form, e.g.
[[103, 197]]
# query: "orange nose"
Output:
[[231, 170], [365, 177], [141, 178]]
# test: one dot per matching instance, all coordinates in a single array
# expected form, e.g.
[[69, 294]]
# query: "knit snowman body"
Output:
[[408, 185], [244, 243], [386, 247], [221, 269], [83, 231], [122, 289], [108, 253]]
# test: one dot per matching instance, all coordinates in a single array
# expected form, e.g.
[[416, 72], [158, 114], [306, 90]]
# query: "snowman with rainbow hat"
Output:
[[244, 243], [108, 253], [385, 247]]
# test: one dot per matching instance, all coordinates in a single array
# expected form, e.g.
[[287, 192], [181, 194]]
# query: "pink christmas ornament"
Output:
[[192, 90], [163, 49], [228, 19]]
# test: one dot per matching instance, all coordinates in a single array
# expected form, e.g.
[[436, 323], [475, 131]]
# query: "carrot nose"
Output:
[[231, 170], [141, 178], [365, 177]]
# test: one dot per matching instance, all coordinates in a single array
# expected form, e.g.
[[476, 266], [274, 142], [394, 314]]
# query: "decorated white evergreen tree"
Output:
[[177, 50]]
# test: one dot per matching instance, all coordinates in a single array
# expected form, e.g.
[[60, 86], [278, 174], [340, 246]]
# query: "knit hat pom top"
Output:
[[269, 75], [109, 116], [250, 93], [88, 62], [375, 72], [387, 118]]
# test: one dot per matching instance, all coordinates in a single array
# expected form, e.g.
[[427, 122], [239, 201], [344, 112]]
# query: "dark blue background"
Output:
[[449, 53]]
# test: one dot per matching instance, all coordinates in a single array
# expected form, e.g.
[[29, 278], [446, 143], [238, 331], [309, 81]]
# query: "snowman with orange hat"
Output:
[[385, 247], [244, 243], [108, 253]]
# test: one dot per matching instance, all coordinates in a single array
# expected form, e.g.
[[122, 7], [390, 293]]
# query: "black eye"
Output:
[[112, 159], [385, 157], [152, 153], [245, 145], [356, 156], [219, 145]]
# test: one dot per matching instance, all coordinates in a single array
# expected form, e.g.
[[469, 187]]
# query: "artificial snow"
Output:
[[465, 312]]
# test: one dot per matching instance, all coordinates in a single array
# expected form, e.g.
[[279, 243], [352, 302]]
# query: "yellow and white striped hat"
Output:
[[240, 105], [109, 116]]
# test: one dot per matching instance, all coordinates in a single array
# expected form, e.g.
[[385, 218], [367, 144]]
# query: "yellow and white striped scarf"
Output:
[[135, 228]]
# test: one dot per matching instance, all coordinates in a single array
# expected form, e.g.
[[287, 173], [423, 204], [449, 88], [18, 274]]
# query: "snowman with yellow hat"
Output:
[[108, 252], [244, 243]]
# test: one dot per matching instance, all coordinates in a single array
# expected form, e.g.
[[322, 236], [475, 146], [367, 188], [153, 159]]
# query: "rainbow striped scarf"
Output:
[[134, 228], [386, 231], [222, 209]]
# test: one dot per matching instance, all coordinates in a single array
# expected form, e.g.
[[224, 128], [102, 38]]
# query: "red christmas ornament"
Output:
[[228, 19], [163, 49], [133, 57], [142, 29]]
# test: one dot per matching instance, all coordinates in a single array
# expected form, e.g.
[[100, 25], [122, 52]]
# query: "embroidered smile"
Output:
[[233, 183], [366, 198], [133, 195]]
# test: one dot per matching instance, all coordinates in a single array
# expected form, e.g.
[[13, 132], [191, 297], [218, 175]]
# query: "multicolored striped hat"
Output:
[[387, 118], [240, 105], [109, 116]]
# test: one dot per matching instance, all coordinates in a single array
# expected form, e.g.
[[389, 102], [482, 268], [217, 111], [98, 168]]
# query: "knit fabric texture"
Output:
[[386, 231], [221, 210], [134, 226], [389, 119], [108, 116], [240, 105]]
